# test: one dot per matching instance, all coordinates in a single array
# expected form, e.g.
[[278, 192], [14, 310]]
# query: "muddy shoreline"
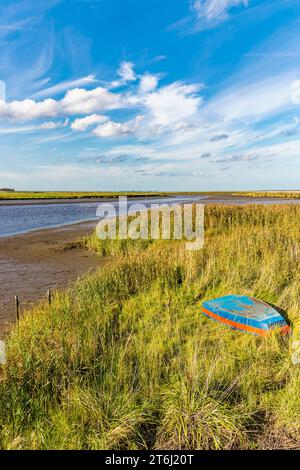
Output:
[[34, 262]]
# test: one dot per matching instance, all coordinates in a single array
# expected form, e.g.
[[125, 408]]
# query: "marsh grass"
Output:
[[280, 194], [23, 195], [125, 360]]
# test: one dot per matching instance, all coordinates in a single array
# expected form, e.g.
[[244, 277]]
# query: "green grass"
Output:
[[24, 195], [40, 195], [125, 360]]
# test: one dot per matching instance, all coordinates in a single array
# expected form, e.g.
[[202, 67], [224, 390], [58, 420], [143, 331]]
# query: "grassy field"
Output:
[[40, 195], [280, 194], [24, 195], [125, 360]]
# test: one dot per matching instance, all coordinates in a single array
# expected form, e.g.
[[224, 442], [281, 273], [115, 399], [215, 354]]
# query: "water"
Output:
[[17, 219]]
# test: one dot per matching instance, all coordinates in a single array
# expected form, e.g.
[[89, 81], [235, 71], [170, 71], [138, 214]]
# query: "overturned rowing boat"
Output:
[[246, 314]]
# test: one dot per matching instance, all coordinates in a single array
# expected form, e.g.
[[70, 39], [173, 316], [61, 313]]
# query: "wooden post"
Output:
[[49, 296], [17, 307]]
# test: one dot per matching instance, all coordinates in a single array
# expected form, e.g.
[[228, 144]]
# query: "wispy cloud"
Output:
[[215, 10], [26, 61], [64, 86], [206, 14], [21, 25], [254, 99], [18, 130]]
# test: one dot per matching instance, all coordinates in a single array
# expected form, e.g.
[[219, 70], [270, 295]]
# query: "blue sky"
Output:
[[150, 95]]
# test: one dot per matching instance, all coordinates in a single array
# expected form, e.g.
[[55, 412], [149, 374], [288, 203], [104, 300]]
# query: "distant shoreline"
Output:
[[24, 198], [20, 202], [213, 198]]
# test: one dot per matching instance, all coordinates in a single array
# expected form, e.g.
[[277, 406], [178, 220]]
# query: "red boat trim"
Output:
[[284, 330]]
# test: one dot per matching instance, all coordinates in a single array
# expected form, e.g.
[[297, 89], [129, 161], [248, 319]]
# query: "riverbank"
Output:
[[86, 200], [210, 198], [59, 195], [34, 262]]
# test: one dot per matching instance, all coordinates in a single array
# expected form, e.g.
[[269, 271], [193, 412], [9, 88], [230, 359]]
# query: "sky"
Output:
[[178, 95]]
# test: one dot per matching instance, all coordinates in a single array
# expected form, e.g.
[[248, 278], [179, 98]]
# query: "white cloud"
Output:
[[163, 107], [126, 72], [54, 125], [173, 103], [50, 125], [29, 109], [148, 83], [81, 101], [215, 10], [117, 129], [76, 101], [111, 129], [81, 124]]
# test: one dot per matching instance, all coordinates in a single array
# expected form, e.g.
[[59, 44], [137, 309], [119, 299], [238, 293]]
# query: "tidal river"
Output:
[[17, 217]]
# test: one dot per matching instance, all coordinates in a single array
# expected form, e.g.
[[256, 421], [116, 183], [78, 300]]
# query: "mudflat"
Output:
[[34, 262]]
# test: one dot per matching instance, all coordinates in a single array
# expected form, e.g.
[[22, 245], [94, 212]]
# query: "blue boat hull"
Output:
[[245, 314]]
